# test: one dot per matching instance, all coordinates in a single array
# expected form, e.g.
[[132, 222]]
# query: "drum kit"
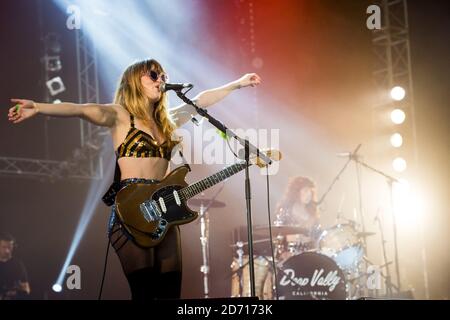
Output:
[[307, 267], [312, 263], [298, 263]]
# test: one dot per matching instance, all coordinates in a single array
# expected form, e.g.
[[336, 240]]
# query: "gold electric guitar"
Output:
[[147, 211]]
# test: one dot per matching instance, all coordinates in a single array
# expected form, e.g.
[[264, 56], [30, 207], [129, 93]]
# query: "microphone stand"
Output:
[[249, 149], [389, 284], [338, 175], [390, 181], [351, 156], [361, 215], [355, 158]]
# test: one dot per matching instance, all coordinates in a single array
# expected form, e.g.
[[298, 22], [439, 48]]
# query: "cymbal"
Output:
[[365, 234], [281, 230], [205, 202]]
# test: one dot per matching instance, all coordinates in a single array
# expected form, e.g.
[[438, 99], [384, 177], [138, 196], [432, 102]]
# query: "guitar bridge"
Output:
[[150, 211]]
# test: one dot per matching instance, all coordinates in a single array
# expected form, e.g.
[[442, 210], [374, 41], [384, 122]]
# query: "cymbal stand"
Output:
[[204, 241], [389, 284], [240, 254]]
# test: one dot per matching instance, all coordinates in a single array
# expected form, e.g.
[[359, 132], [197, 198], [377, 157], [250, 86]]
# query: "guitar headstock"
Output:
[[272, 154]]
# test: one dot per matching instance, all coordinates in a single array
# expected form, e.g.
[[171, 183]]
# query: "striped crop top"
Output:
[[139, 144]]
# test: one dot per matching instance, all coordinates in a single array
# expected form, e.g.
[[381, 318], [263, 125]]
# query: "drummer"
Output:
[[298, 207]]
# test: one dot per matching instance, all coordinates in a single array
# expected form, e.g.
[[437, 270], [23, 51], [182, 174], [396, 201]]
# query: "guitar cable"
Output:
[[270, 232], [104, 270]]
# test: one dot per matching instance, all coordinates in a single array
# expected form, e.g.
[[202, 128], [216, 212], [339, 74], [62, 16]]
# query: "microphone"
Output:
[[174, 86], [344, 154], [349, 154]]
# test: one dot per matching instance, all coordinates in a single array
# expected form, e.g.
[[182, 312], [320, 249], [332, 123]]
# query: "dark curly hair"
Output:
[[291, 195]]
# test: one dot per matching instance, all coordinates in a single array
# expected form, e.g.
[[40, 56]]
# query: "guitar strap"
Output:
[[184, 160], [110, 196]]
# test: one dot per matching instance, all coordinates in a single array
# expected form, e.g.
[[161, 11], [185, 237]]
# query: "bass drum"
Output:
[[310, 276]]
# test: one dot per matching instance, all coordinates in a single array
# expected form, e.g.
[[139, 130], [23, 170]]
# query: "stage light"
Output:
[[398, 93], [399, 164], [55, 86], [57, 101], [53, 63], [52, 43], [408, 204], [57, 287], [396, 140], [398, 116]]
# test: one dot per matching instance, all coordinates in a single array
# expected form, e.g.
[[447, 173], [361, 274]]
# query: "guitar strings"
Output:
[[171, 197]]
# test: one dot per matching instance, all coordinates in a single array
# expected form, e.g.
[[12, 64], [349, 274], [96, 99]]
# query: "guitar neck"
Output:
[[200, 186]]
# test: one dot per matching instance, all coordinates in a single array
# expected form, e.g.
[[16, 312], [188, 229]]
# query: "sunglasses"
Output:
[[155, 76]]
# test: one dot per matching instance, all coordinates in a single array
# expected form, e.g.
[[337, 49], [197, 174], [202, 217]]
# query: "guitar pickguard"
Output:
[[163, 208]]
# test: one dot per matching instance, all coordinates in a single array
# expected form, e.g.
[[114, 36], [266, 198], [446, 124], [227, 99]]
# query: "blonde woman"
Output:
[[142, 128]]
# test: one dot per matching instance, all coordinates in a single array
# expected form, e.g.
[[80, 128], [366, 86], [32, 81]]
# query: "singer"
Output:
[[142, 129]]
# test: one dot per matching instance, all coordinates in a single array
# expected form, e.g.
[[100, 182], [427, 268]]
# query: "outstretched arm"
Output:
[[183, 113], [212, 96], [99, 114]]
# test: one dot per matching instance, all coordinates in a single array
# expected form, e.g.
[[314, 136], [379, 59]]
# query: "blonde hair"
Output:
[[131, 96]]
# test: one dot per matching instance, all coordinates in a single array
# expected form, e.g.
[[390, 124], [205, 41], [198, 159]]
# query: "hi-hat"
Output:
[[206, 202]]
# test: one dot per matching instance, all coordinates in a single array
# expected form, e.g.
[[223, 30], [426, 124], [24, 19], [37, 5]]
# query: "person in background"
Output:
[[298, 209], [14, 283]]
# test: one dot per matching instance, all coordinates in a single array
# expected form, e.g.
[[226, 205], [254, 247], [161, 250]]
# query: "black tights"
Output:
[[152, 273]]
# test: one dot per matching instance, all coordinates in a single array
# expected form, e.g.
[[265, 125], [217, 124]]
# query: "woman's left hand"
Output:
[[250, 79]]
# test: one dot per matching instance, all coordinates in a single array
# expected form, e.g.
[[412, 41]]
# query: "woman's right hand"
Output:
[[23, 110]]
